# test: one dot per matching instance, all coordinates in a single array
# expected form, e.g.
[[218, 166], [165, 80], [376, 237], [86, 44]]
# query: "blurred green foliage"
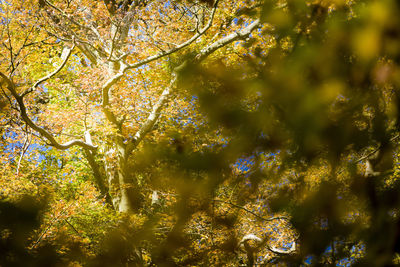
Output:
[[325, 96]]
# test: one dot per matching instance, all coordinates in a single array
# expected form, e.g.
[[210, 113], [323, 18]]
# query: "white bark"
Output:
[[66, 53], [155, 113], [282, 251], [111, 54]]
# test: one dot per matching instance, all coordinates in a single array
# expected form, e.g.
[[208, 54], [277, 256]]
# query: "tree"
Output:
[[262, 131], [127, 40], [75, 63]]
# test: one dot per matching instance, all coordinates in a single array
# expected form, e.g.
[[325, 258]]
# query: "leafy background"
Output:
[[280, 148]]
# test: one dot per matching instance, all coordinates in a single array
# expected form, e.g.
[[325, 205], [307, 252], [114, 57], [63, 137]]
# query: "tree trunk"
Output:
[[123, 188], [125, 185]]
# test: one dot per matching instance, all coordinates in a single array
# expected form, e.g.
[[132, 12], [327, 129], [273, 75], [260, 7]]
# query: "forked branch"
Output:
[[155, 114]]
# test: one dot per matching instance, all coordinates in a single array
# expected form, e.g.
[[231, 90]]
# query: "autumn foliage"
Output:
[[199, 133]]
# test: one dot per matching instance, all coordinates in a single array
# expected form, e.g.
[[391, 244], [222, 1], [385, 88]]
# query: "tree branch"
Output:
[[253, 213], [252, 248], [25, 147], [45, 78], [152, 117], [106, 98], [179, 47], [98, 176], [43, 132], [241, 34], [71, 19], [281, 251], [155, 114]]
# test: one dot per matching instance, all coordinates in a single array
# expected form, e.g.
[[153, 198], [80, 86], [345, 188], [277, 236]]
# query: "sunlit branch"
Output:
[[155, 114], [106, 98], [83, 48], [25, 147], [251, 248], [258, 243], [45, 78], [281, 251], [43, 132], [241, 34], [92, 26]]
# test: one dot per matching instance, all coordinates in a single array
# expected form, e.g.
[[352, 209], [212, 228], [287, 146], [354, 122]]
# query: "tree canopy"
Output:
[[199, 133]]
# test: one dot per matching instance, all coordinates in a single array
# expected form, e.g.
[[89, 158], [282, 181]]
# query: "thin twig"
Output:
[[50, 225], [253, 213], [25, 147], [71, 226]]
